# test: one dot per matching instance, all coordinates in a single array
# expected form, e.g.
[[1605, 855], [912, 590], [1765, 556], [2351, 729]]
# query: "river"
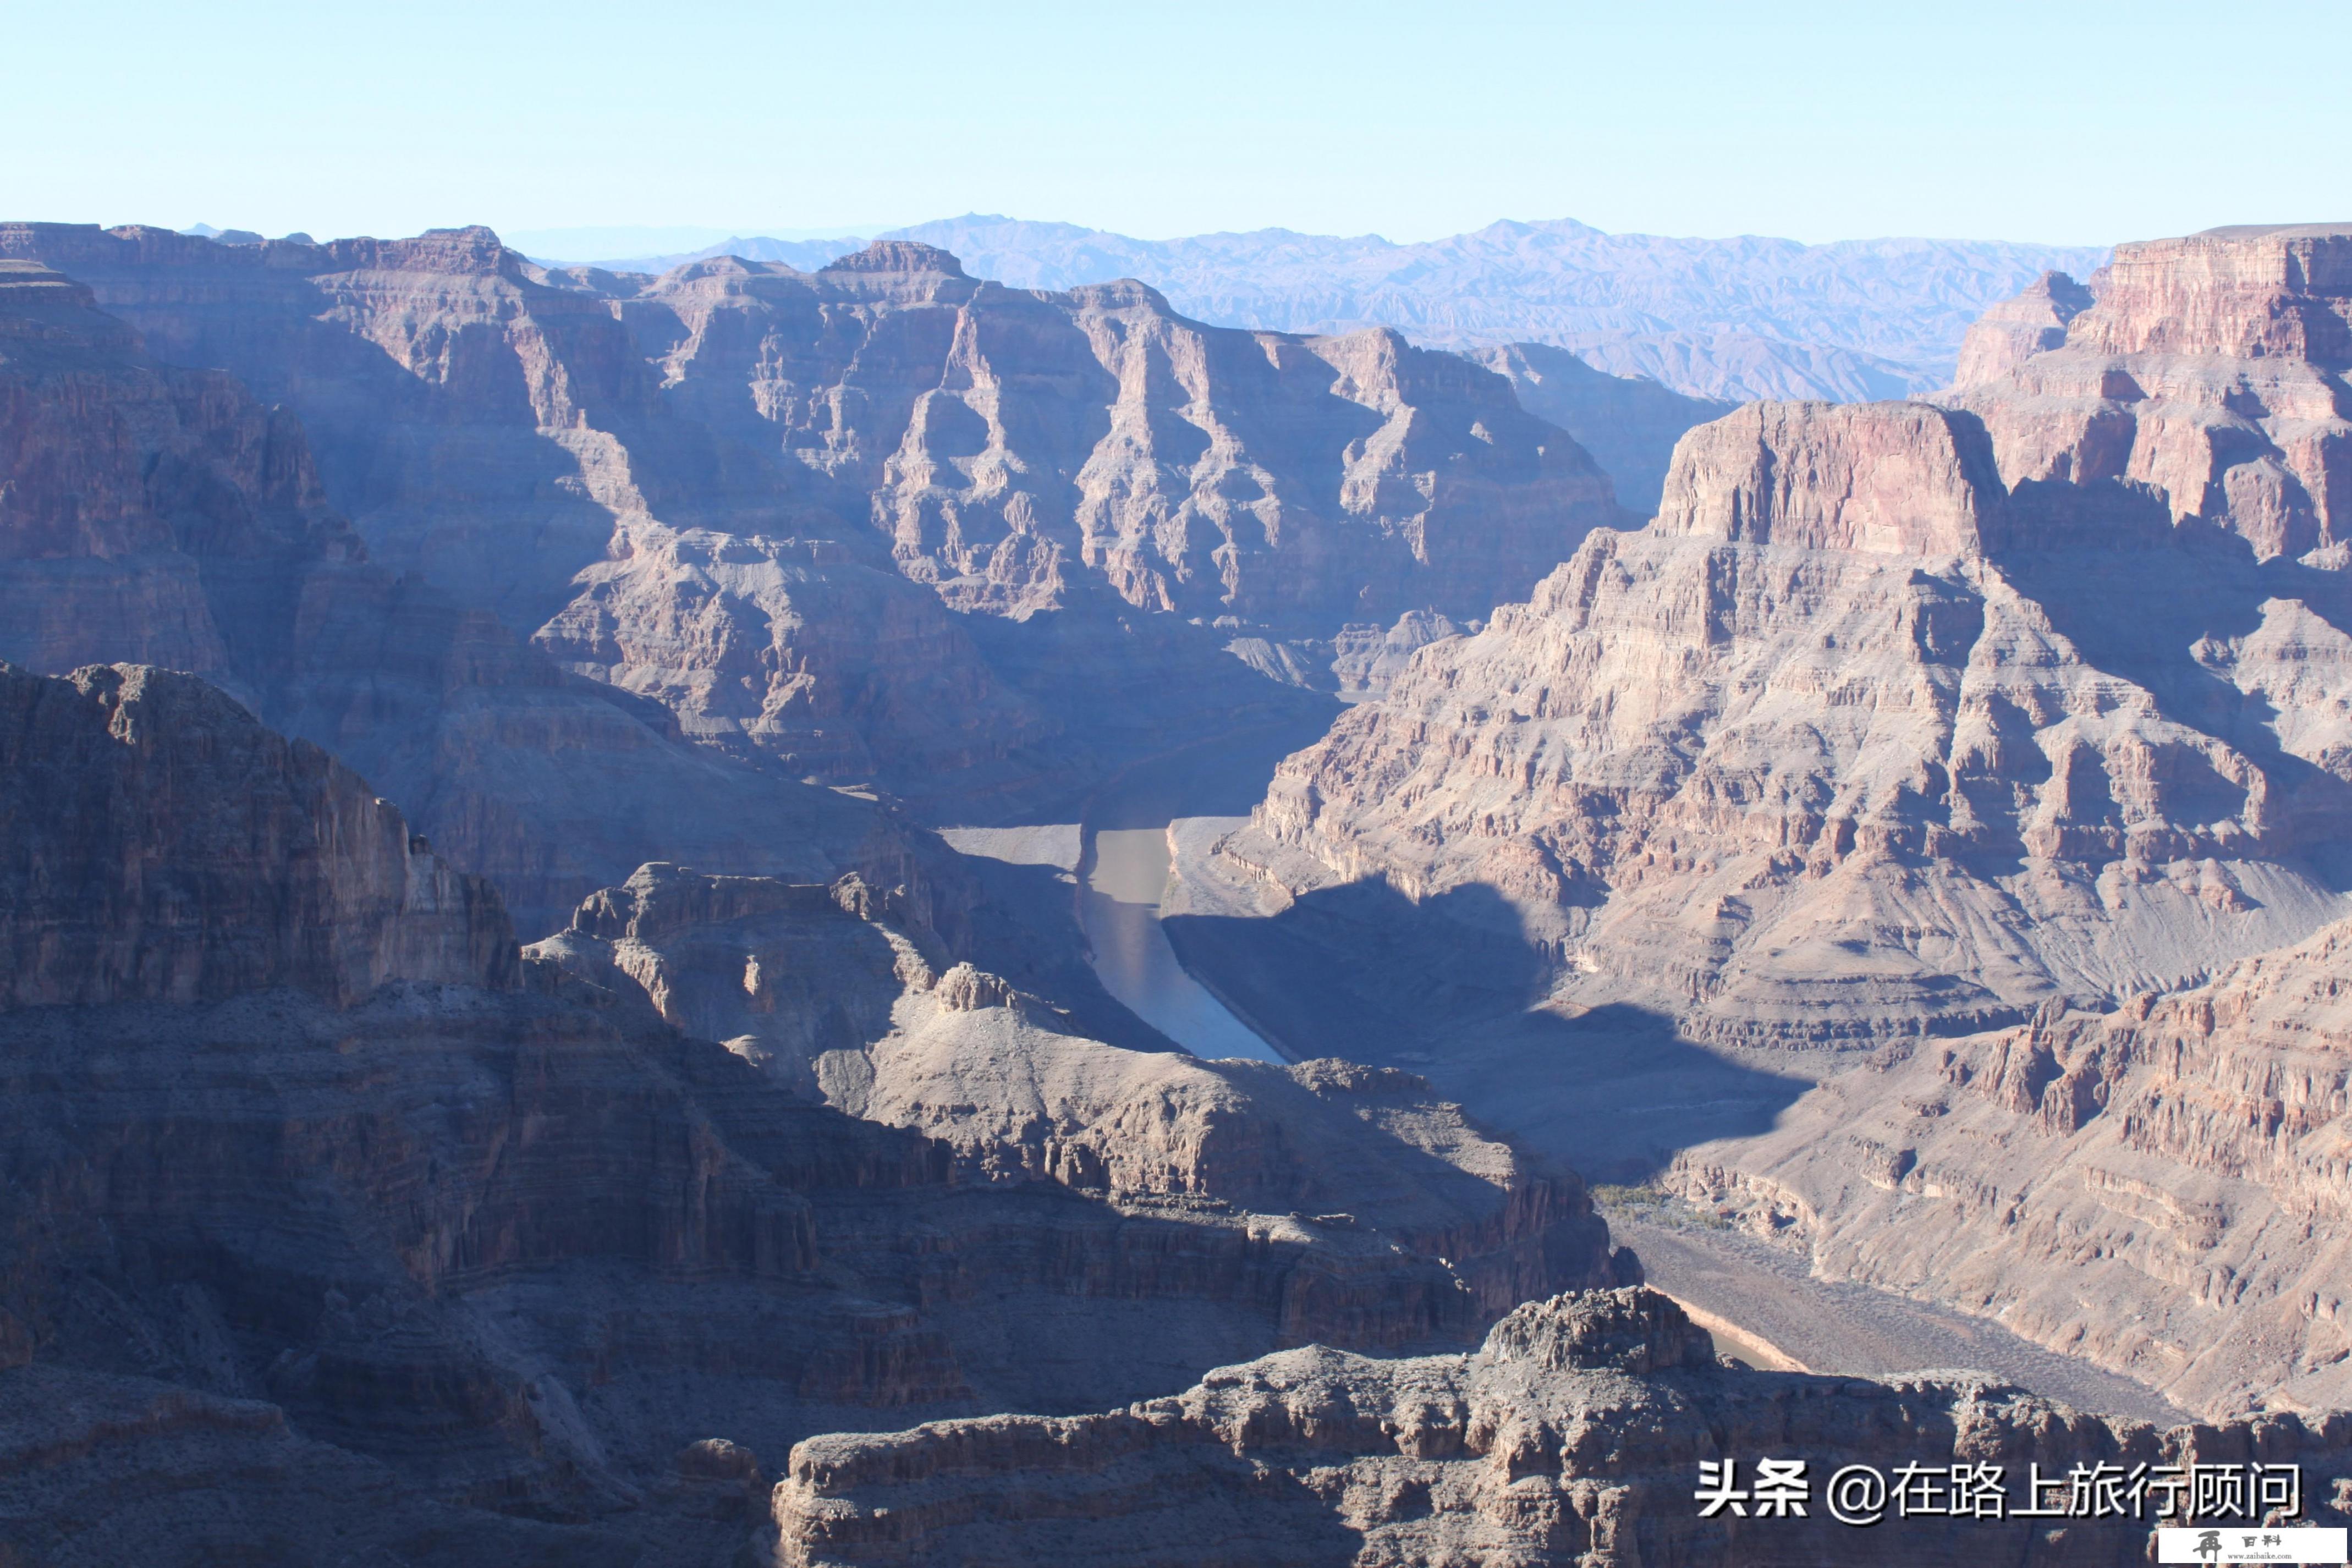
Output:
[[1123, 875]]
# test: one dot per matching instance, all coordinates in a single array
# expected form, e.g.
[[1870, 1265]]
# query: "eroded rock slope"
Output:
[[2001, 742], [343, 1224], [1574, 1435], [160, 514], [716, 487]]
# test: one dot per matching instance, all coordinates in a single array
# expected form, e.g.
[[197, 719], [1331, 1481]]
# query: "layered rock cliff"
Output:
[[1574, 1435], [164, 846], [318, 1199], [705, 488], [2161, 1188], [1850, 743], [841, 993], [2208, 370], [148, 512]]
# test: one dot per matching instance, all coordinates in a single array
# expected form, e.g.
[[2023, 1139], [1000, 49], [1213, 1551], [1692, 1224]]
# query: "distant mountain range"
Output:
[[1749, 317]]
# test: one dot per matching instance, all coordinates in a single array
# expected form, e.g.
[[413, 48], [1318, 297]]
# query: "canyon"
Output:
[[860, 914], [1987, 742], [319, 1181]]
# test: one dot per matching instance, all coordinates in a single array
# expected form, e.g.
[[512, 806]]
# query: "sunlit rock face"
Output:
[[2005, 736], [1853, 743], [2161, 1188], [2206, 370], [762, 496]]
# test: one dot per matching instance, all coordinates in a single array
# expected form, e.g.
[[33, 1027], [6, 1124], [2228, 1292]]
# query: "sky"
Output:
[[2072, 124]]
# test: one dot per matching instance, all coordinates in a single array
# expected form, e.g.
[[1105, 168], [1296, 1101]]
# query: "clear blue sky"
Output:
[[2021, 122]]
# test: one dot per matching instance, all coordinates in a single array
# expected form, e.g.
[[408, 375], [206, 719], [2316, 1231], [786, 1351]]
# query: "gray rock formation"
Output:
[[2161, 1188], [162, 514], [707, 488], [162, 846], [1840, 748], [842, 994], [332, 1234], [1575, 1434], [1628, 423]]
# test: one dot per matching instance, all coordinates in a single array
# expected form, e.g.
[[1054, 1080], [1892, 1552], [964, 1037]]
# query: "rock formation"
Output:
[[1630, 424], [706, 487], [841, 993], [2161, 1188], [2210, 371], [1574, 1435], [157, 513], [162, 846], [320, 1196], [1838, 748], [1960, 737]]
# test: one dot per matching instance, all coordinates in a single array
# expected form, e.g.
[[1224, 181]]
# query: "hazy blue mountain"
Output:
[[1742, 318]]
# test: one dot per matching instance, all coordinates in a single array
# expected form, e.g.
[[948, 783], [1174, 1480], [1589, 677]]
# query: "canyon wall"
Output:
[[1575, 1433], [162, 513], [1892, 721], [2206, 370], [711, 487], [1976, 773], [2161, 1188], [316, 1184]]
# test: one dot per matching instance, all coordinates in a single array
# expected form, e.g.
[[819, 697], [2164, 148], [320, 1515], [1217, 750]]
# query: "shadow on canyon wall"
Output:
[[1448, 988]]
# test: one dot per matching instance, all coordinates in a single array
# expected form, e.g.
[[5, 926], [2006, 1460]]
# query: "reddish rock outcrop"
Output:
[[1873, 478], [2209, 371]]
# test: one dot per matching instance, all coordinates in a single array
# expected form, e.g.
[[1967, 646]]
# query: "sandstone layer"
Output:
[[1847, 746], [2001, 744], [1574, 1435], [2208, 370]]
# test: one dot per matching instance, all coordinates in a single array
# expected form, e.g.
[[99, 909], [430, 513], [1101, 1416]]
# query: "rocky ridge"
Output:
[[1741, 319], [1574, 1434], [841, 994], [2159, 1188], [155, 513], [704, 486], [319, 1191], [2208, 370], [164, 848], [1838, 749]]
